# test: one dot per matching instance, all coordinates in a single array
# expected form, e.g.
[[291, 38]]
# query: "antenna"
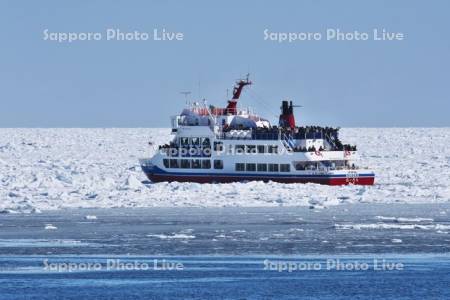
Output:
[[186, 94], [293, 105]]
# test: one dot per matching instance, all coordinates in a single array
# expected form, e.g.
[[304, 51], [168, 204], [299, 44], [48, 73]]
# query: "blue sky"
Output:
[[137, 83]]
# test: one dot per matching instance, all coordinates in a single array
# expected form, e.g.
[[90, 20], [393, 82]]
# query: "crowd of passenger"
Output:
[[307, 132], [329, 134], [339, 147], [345, 147], [309, 149], [315, 132]]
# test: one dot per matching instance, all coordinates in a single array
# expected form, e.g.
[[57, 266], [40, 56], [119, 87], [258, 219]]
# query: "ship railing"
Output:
[[340, 168], [348, 168], [249, 135], [288, 142], [188, 151], [275, 135], [311, 135], [330, 141]]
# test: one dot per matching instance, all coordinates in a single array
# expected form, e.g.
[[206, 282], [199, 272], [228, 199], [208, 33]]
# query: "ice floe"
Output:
[[41, 243], [172, 236], [405, 220], [392, 226], [396, 241], [50, 227]]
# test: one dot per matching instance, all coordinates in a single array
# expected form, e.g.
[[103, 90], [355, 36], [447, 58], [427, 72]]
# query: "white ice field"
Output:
[[44, 169]]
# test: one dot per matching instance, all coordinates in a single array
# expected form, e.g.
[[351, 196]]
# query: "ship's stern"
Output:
[[352, 177]]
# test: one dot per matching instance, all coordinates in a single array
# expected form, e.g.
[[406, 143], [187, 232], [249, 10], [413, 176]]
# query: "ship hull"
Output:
[[326, 179]]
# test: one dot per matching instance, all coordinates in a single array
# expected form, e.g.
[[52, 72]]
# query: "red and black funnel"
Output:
[[287, 119]]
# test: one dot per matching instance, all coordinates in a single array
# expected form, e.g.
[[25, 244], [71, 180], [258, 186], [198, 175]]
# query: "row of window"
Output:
[[206, 151], [195, 141], [218, 164], [256, 149], [188, 152], [218, 146], [192, 163], [250, 167]]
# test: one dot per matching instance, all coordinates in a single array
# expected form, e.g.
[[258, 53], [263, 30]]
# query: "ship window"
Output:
[[206, 164], [230, 149], [262, 167], [195, 141], [173, 152], [184, 141], [261, 149], [305, 166], [185, 163], [240, 167], [273, 168], [206, 143], [240, 149], [174, 163], [285, 168], [250, 167], [300, 166], [166, 162], [218, 164], [312, 166], [272, 149], [206, 152], [218, 146], [195, 164], [251, 149]]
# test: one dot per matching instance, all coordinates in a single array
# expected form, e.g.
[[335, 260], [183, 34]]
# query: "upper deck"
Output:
[[230, 123], [296, 137]]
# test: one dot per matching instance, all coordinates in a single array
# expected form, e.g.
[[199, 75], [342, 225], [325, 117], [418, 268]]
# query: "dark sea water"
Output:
[[344, 252]]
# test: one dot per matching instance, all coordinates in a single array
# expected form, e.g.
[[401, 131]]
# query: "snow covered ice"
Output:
[[42, 169]]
